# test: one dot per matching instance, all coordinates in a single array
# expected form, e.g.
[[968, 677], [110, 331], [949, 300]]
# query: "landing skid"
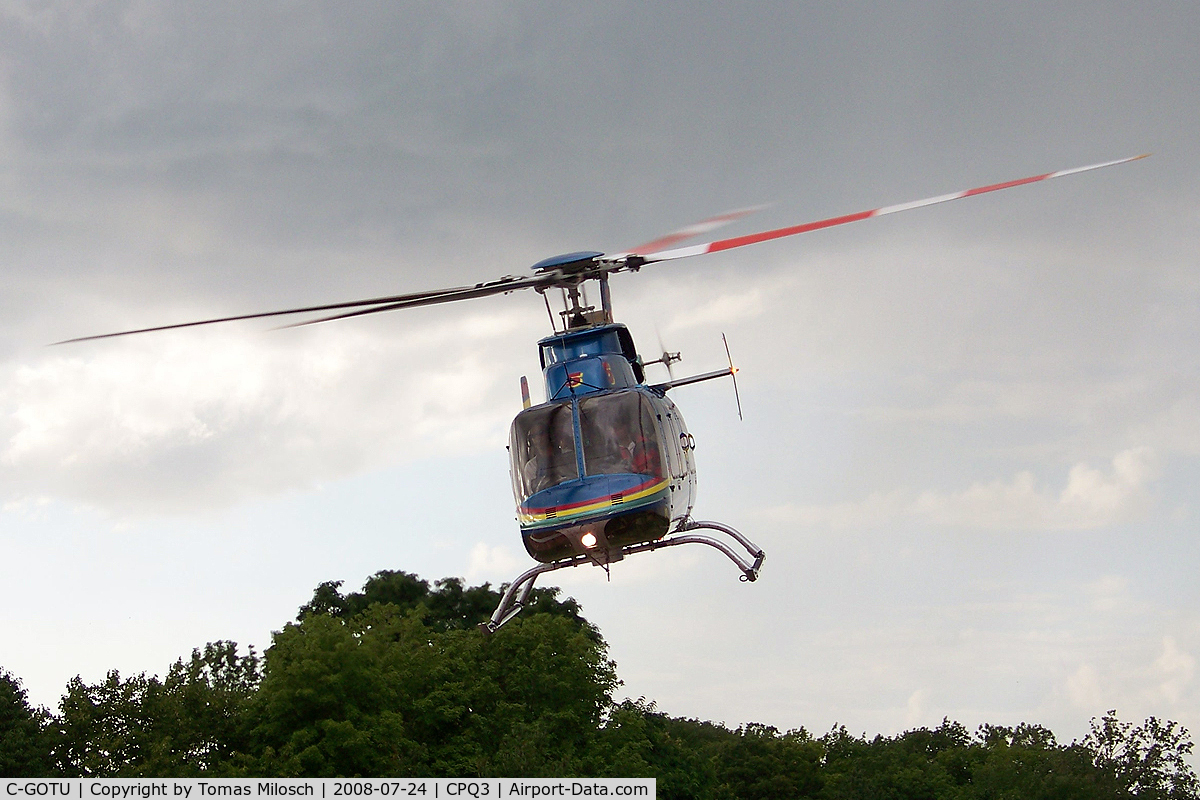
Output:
[[518, 591]]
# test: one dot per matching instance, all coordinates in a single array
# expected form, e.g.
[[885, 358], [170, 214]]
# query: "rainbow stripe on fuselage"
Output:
[[596, 497]]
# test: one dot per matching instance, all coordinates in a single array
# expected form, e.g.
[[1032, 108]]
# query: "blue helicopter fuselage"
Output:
[[607, 460]]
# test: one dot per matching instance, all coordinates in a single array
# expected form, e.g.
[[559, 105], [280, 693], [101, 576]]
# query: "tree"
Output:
[[760, 763], [188, 724], [911, 765], [24, 746], [1145, 761], [1028, 762], [384, 692], [395, 680], [448, 605]]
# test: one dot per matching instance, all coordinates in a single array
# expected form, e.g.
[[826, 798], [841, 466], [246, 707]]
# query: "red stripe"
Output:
[[1006, 185], [779, 233], [595, 499], [691, 230]]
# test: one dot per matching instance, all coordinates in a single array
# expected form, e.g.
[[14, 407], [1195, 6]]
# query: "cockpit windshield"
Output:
[[542, 444], [619, 435]]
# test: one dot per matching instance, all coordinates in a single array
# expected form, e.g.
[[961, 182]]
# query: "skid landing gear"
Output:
[[517, 595]]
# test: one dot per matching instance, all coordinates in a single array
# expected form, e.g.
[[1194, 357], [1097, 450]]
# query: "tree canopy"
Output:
[[24, 741], [395, 680]]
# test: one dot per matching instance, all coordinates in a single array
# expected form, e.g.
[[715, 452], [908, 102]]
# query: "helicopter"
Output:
[[604, 467]]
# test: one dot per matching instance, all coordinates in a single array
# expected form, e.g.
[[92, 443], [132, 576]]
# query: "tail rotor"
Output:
[[733, 374], [667, 358]]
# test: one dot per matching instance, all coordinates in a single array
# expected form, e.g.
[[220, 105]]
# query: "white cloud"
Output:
[[189, 422], [1085, 690], [496, 564], [1175, 668], [1110, 593], [715, 304], [914, 713], [1134, 681], [1091, 499], [1176, 428]]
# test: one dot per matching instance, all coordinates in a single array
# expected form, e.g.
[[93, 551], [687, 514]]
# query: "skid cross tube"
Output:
[[517, 594]]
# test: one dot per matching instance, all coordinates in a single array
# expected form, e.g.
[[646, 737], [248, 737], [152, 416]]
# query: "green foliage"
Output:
[[759, 763], [187, 724], [1116, 761], [396, 680], [391, 692], [448, 605], [1027, 761], [637, 741], [694, 759], [921, 763], [1144, 761], [23, 740]]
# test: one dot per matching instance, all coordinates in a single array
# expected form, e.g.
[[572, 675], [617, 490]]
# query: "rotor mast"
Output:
[[570, 273], [577, 313]]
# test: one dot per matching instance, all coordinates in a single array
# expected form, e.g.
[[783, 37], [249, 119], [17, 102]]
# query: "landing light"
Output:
[[588, 540]]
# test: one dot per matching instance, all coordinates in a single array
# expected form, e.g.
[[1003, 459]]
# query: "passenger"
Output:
[[645, 457], [539, 469], [639, 452]]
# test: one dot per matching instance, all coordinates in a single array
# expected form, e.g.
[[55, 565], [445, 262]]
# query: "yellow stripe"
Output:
[[600, 504]]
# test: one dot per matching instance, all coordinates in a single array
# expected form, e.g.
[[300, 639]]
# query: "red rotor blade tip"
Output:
[[779, 233]]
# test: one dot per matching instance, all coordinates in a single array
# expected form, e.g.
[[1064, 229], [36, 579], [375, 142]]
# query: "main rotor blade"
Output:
[[778, 233], [502, 286], [390, 301], [695, 229]]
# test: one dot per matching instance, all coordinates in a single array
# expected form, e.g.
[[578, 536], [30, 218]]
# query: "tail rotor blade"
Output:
[[666, 357], [733, 374]]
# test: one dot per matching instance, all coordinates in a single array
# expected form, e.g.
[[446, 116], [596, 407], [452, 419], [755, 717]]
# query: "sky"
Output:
[[971, 442]]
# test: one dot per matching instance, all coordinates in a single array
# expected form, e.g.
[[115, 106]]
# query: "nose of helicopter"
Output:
[[601, 538], [591, 541]]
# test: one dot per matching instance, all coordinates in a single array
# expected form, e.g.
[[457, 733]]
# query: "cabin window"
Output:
[[619, 435], [580, 346], [588, 375], [542, 445]]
